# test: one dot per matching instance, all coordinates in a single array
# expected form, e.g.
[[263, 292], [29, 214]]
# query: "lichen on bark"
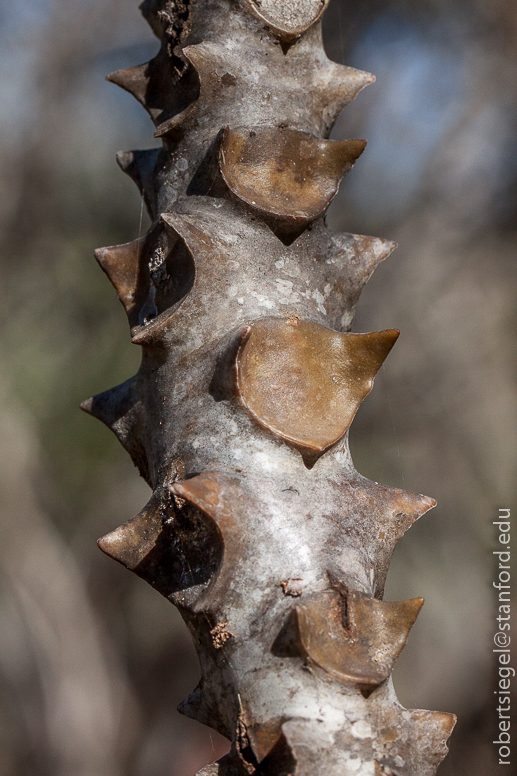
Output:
[[259, 529]]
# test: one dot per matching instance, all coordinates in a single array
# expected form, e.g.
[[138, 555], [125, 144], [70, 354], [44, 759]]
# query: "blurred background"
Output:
[[92, 661]]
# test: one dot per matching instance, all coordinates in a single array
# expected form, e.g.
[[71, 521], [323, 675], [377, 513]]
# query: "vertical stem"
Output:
[[259, 529]]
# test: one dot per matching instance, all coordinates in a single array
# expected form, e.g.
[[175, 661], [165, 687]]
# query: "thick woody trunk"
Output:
[[259, 529]]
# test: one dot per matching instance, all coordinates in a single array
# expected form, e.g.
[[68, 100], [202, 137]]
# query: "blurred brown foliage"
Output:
[[92, 662]]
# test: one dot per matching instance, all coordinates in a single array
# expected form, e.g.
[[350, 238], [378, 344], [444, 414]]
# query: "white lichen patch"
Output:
[[263, 301], [285, 286], [265, 461], [367, 769], [286, 290], [354, 764], [361, 729], [291, 269]]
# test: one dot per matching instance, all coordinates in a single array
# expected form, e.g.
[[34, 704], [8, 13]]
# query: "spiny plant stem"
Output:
[[259, 529]]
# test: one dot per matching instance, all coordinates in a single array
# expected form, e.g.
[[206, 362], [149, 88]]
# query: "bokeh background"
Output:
[[92, 661]]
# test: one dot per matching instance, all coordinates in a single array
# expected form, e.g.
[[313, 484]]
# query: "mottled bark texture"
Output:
[[259, 529]]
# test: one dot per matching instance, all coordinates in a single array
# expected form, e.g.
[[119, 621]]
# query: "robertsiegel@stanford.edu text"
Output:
[[502, 640]]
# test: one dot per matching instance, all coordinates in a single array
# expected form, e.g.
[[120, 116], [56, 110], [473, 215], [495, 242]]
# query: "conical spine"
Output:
[[259, 528]]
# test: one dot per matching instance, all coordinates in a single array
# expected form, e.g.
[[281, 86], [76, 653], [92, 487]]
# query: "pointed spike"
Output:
[[156, 544], [363, 252], [372, 351], [119, 410], [333, 86], [338, 370], [193, 706], [339, 85], [345, 83], [348, 81], [110, 406], [203, 55], [161, 302], [439, 723], [206, 60], [278, 16], [361, 647], [214, 66], [204, 491], [87, 405], [121, 263], [385, 514], [223, 500], [139, 165], [407, 508], [381, 248], [164, 86], [188, 229], [387, 622], [134, 80], [348, 152], [125, 160], [285, 173], [418, 738], [405, 743], [263, 738], [357, 256], [169, 127], [201, 706], [130, 543], [435, 728]]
